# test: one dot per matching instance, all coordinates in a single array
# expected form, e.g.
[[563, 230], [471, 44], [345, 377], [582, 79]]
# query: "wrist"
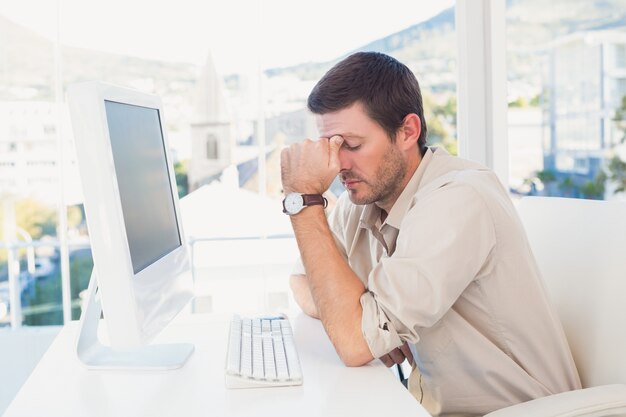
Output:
[[301, 190], [295, 202]]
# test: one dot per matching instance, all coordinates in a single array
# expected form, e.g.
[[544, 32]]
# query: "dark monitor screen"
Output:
[[144, 182]]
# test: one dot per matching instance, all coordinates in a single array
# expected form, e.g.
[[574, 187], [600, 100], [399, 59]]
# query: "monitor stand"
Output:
[[93, 354]]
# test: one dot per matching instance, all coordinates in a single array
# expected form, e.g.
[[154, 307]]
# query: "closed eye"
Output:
[[351, 148]]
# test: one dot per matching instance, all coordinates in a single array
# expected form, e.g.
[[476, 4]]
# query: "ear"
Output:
[[409, 132]]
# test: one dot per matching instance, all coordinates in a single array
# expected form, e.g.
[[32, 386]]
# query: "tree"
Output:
[[519, 102], [441, 121], [617, 173], [616, 167], [75, 216], [594, 189], [567, 186], [447, 111], [620, 118], [182, 182], [36, 218], [536, 100], [546, 176]]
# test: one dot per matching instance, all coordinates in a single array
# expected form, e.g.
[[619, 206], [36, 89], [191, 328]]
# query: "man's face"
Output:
[[373, 169]]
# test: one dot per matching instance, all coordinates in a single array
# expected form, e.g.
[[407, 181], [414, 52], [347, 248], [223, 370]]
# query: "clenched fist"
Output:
[[309, 167]]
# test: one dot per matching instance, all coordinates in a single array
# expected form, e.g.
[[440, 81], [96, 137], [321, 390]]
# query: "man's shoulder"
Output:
[[448, 169], [454, 181], [443, 161]]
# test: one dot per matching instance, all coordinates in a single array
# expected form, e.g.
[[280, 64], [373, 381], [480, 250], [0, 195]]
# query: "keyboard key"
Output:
[[234, 348], [257, 358]]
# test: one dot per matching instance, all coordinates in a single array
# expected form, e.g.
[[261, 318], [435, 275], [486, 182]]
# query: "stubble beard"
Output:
[[386, 183]]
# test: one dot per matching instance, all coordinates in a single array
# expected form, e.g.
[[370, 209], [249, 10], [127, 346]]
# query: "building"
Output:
[[28, 149], [585, 85], [225, 128], [212, 130], [525, 134]]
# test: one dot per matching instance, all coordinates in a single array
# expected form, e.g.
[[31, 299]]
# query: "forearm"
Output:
[[335, 288], [310, 167], [302, 295]]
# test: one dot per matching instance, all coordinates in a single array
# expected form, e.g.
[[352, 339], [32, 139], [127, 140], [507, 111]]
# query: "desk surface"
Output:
[[61, 386]]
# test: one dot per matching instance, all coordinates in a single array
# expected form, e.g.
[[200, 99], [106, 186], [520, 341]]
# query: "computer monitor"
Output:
[[141, 276]]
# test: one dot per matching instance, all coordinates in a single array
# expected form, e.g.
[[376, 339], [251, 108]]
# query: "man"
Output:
[[423, 256]]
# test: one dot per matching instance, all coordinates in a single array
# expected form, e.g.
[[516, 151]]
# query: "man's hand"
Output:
[[397, 356], [309, 167]]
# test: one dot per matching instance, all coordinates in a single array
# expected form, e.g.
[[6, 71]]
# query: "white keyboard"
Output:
[[261, 353]]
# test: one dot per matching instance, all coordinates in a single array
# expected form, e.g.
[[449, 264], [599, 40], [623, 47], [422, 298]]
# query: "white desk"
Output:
[[60, 386]]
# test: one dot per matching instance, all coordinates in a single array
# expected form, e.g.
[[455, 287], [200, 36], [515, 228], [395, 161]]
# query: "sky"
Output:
[[237, 33]]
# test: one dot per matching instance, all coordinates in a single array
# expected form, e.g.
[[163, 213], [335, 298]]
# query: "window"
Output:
[[49, 130], [618, 91], [565, 66], [212, 147], [227, 113], [620, 56]]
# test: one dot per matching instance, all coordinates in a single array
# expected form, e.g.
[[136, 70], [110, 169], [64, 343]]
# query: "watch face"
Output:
[[294, 203]]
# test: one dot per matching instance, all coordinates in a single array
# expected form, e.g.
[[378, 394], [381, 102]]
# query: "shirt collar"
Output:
[[371, 211]]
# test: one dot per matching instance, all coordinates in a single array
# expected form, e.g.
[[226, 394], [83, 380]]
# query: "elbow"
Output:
[[354, 362], [349, 341], [293, 283], [355, 357]]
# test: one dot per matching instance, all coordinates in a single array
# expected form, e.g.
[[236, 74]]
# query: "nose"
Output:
[[345, 159]]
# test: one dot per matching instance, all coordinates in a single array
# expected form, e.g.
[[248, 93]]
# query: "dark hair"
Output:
[[386, 88]]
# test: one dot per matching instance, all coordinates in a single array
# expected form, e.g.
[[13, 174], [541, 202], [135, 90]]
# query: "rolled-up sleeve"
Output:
[[378, 331], [445, 242]]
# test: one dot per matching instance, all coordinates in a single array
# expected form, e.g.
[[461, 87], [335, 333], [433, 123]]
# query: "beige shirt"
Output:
[[450, 271]]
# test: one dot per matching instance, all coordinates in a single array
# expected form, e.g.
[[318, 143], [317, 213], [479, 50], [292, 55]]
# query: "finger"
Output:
[[285, 167], [387, 361], [334, 145], [288, 154], [406, 350], [397, 356]]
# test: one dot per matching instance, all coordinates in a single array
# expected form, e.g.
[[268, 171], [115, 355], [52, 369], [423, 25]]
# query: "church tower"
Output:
[[212, 131]]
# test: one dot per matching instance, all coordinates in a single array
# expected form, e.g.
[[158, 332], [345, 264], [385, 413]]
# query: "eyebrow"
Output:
[[349, 135]]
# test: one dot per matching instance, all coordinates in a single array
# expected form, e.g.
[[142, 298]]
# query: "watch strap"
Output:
[[314, 200]]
